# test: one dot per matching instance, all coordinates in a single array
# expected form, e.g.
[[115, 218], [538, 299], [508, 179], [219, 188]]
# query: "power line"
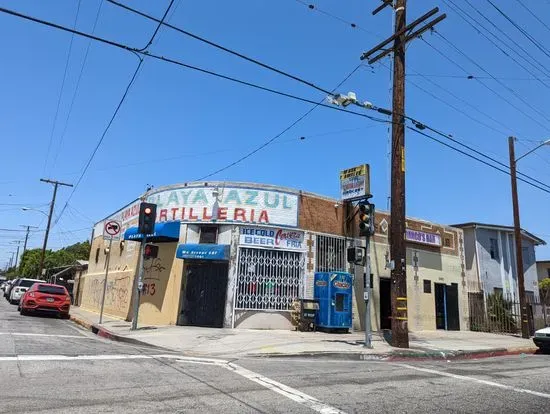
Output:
[[220, 47], [519, 109], [535, 64], [84, 61], [533, 14], [133, 78], [272, 139], [521, 30], [181, 64], [476, 158], [62, 88]]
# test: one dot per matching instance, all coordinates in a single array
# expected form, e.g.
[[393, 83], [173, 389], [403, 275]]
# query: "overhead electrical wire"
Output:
[[533, 14], [478, 27], [62, 88], [524, 32], [417, 124], [122, 99], [526, 56], [75, 93]]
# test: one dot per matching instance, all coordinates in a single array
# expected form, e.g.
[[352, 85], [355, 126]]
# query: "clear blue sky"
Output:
[[178, 125]]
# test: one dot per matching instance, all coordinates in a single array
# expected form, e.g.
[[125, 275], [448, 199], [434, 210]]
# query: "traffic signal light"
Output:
[[151, 251], [366, 219], [147, 217]]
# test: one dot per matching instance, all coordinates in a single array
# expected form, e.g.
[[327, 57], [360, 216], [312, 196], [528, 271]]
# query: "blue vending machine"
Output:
[[334, 292]]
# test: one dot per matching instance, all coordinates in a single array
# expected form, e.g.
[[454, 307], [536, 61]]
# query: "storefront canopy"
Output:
[[164, 232], [203, 251]]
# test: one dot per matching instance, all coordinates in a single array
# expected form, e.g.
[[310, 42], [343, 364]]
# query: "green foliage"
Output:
[[500, 312], [544, 287], [30, 261]]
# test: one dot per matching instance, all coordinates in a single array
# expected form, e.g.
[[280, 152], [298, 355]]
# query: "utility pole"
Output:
[[43, 255], [403, 33], [517, 235], [27, 238], [17, 254]]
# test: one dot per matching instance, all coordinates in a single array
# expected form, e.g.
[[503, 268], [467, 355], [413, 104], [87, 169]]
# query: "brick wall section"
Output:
[[319, 215]]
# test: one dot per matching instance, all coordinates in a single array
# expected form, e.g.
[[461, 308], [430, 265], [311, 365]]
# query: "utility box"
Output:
[[334, 292]]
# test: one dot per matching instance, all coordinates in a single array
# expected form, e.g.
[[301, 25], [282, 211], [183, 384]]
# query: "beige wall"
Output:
[[542, 269]]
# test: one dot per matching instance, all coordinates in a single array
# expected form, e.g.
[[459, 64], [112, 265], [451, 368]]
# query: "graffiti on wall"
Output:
[[152, 269], [117, 294]]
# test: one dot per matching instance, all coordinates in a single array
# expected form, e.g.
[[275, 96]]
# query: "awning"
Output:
[[168, 231], [203, 251]]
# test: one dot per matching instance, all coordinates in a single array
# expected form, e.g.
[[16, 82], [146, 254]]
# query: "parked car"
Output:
[[8, 288], [542, 339], [19, 288], [46, 297]]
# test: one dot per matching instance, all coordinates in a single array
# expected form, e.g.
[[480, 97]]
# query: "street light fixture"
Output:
[[517, 233]]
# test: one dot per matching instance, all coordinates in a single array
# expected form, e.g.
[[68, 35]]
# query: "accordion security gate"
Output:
[[268, 279]]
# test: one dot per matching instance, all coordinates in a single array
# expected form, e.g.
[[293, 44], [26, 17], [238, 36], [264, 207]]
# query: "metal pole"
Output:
[[400, 330], [139, 284], [17, 254], [518, 239], [368, 333], [45, 244], [105, 282]]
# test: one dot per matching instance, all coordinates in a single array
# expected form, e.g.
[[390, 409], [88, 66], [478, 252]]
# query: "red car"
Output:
[[47, 298]]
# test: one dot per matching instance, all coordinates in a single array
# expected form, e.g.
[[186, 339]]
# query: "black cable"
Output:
[[271, 140], [534, 61], [61, 140], [61, 90], [160, 23], [476, 158], [128, 48], [218, 46], [519, 109], [521, 30], [537, 65], [533, 14]]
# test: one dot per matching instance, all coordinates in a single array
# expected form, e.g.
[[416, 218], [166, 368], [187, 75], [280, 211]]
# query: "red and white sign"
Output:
[[112, 229], [287, 239]]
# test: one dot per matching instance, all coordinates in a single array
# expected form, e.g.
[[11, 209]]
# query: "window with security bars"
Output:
[[331, 254], [268, 279]]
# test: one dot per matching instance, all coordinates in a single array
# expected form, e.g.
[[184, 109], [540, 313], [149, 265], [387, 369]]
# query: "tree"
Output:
[[544, 287], [30, 260]]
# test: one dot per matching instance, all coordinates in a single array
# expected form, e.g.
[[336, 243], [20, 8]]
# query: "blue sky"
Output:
[[177, 125]]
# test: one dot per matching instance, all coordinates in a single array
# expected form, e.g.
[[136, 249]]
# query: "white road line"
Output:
[[46, 335], [272, 385], [285, 390], [472, 379]]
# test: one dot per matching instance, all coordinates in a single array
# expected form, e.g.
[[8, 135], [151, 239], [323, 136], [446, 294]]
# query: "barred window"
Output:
[[331, 254], [268, 279]]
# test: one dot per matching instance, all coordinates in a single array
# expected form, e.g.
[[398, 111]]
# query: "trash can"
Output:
[[306, 314]]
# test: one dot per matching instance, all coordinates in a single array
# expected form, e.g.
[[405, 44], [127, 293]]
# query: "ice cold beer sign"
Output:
[[272, 238]]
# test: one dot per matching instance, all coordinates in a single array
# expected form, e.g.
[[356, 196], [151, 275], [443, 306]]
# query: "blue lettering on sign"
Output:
[[185, 196], [172, 198], [273, 204], [200, 196], [285, 202], [233, 196], [251, 198]]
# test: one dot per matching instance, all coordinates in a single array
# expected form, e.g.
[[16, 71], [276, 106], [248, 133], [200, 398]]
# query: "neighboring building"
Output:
[[491, 260], [543, 269], [238, 254]]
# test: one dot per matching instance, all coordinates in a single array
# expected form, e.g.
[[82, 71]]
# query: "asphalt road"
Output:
[[51, 365]]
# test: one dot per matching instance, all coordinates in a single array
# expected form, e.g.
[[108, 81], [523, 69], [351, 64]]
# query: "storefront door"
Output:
[[446, 307], [204, 294]]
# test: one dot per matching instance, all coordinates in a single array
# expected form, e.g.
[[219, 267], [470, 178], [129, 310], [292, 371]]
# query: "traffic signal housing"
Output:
[[147, 217], [366, 219]]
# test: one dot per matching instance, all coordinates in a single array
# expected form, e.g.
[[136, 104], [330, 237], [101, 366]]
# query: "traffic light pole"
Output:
[[368, 333], [105, 282], [139, 284]]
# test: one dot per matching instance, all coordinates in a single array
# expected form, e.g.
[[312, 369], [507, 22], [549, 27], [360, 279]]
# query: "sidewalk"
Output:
[[235, 343]]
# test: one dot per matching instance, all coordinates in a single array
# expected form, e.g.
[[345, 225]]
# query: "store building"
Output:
[[239, 254]]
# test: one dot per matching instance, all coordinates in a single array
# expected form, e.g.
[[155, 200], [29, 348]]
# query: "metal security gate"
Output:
[[268, 279], [331, 253]]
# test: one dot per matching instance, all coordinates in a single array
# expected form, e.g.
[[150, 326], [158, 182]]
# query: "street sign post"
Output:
[[355, 183], [111, 231]]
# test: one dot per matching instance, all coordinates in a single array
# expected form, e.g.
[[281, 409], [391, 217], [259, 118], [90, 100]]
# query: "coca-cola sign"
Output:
[[272, 238]]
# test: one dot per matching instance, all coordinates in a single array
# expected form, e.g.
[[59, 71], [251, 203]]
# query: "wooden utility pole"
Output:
[[517, 236], [43, 255], [402, 34]]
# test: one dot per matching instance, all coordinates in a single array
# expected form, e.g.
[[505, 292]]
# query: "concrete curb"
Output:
[[394, 355], [404, 355]]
